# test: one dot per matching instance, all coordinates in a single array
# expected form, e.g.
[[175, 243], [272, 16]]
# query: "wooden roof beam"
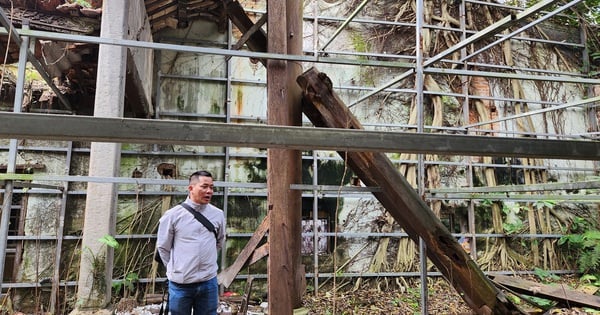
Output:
[[257, 40]]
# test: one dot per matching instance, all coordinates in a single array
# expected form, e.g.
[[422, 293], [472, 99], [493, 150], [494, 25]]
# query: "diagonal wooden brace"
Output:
[[325, 109]]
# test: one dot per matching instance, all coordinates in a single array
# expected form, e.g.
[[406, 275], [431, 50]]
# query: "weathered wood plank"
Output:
[[237, 15], [554, 292], [325, 109], [284, 166], [226, 276], [129, 130], [54, 23], [259, 253]]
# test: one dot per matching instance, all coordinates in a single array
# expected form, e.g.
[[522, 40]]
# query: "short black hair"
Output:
[[197, 174]]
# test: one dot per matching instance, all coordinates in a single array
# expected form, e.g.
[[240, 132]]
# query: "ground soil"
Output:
[[378, 299], [442, 300]]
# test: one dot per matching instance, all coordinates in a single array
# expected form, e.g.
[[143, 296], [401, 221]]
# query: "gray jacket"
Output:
[[186, 247]]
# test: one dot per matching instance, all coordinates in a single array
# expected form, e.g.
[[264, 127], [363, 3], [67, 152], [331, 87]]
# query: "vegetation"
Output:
[[588, 9], [585, 249], [83, 3]]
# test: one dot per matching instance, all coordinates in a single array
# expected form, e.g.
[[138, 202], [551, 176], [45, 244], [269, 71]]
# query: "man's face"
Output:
[[201, 190]]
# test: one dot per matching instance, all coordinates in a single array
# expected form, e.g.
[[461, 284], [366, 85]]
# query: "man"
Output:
[[189, 249]]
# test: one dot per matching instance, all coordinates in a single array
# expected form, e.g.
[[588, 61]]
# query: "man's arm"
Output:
[[164, 240], [221, 233]]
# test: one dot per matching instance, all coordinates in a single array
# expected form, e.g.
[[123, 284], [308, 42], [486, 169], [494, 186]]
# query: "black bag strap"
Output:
[[164, 305], [202, 219]]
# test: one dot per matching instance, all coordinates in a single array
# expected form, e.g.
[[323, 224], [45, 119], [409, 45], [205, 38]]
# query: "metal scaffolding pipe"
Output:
[[346, 22], [493, 28], [521, 29], [5, 21], [12, 153], [539, 111]]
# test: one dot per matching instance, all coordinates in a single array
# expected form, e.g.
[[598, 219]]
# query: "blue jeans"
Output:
[[202, 297]]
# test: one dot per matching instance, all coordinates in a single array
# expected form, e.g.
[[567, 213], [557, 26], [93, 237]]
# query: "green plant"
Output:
[[545, 276], [83, 3], [127, 284], [544, 304], [587, 249], [590, 279], [580, 225], [98, 266], [110, 241], [515, 299], [513, 223], [544, 203], [487, 202]]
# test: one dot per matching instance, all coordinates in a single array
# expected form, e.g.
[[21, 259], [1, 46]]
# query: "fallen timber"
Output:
[[325, 109]]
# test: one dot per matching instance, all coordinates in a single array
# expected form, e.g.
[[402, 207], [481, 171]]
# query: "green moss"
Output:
[[359, 43], [215, 108], [25, 177], [180, 103], [33, 76], [257, 170], [450, 102]]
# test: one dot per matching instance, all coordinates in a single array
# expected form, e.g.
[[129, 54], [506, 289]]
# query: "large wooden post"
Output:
[[285, 276], [325, 109]]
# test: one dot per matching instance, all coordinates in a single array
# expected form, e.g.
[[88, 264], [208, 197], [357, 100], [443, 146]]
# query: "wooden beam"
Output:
[[54, 23], [182, 15], [555, 292], [130, 130], [259, 253], [239, 18], [284, 165], [325, 109], [226, 276], [156, 5], [240, 43]]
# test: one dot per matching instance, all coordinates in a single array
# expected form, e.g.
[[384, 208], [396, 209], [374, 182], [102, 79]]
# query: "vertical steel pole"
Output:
[[420, 122], [315, 165], [12, 152], [315, 213], [227, 159]]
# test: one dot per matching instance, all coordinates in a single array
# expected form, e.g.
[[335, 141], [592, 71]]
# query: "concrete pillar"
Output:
[[95, 274]]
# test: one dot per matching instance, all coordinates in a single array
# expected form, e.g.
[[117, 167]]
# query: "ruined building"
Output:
[[309, 114]]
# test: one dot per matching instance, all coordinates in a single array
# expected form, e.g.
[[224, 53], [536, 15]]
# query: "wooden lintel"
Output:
[[226, 276], [325, 109]]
